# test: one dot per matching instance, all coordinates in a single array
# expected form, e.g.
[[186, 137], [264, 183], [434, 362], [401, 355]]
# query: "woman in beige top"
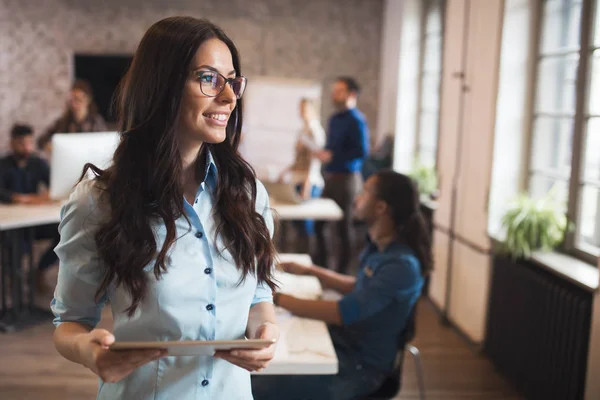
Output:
[[305, 172]]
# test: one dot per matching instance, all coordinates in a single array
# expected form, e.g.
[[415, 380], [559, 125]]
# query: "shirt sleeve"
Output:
[[5, 191], [80, 270], [263, 292], [394, 281]]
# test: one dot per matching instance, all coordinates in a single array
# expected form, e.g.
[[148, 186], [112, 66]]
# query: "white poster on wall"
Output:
[[272, 121]]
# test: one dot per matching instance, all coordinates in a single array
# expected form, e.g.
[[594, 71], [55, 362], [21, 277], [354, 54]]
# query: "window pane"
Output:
[[594, 90], [540, 185], [552, 144], [591, 161], [556, 84], [597, 25], [588, 223], [427, 157], [561, 25], [428, 129], [432, 58], [433, 22], [430, 92]]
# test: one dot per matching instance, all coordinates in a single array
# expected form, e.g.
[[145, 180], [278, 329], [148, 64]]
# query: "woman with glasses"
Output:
[[176, 233]]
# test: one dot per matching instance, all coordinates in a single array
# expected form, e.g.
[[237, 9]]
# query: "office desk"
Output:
[[318, 209], [304, 347], [17, 225]]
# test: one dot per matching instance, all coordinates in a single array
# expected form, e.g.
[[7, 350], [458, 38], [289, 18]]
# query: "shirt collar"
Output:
[[210, 171]]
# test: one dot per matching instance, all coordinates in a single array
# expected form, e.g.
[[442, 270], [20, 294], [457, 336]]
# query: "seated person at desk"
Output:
[[81, 115], [21, 175], [365, 324]]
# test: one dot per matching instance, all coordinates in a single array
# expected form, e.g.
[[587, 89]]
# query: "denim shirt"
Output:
[[387, 288], [200, 297]]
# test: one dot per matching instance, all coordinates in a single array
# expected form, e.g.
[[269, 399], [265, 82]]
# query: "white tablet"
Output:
[[195, 347]]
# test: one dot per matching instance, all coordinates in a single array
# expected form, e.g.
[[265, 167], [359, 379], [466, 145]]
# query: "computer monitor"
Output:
[[71, 151]]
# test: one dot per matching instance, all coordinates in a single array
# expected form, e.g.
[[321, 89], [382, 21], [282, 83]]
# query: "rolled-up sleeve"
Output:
[[263, 291], [392, 281], [80, 270]]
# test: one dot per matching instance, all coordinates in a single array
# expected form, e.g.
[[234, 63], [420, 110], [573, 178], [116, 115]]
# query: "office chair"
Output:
[[390, 388]]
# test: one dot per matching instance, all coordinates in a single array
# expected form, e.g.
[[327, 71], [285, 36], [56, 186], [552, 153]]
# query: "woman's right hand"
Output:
[[112, 366], [295, 268]]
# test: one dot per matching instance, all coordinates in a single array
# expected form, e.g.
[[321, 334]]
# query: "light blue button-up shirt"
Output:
[[199, 298]]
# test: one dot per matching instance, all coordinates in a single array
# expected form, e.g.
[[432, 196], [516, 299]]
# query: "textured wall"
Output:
[[310, 39]]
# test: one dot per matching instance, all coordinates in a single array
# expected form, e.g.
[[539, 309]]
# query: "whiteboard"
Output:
[[272, 121]]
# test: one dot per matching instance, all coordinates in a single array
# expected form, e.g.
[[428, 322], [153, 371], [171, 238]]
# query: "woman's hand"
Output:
[[254, 360], [295, 268], [112, 366]]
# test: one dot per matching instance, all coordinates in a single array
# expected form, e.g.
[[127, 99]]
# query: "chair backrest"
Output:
[[408, 333]]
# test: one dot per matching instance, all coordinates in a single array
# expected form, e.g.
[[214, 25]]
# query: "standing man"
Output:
[[346, 149]]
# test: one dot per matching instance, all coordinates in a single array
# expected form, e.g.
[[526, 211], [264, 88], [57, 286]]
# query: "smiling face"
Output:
[[204, 118]]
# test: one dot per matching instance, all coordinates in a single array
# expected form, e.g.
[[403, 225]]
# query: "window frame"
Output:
[[579, 119], [418, 147]]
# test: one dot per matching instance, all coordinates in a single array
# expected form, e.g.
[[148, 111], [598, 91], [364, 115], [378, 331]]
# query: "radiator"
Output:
[[538, 330]]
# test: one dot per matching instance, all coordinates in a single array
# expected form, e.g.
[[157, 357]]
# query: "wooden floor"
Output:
[[31, 369]]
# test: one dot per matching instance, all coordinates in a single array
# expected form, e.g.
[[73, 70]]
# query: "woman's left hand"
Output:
[[254, 360]]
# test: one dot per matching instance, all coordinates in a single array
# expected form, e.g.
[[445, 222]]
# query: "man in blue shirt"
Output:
[[346, 149], [366, 323], [22, 173]]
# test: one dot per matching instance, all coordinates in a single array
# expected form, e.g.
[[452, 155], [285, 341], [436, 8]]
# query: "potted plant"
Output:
[[426, 179], [533, 224]]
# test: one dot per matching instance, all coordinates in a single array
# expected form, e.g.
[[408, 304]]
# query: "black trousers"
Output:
[[341, 188]]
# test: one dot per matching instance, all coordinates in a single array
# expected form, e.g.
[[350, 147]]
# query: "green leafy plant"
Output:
[[426, 179], [533, 224]]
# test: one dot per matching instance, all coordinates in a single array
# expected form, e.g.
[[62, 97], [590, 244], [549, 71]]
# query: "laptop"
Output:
[[284, 193], [71, 151]]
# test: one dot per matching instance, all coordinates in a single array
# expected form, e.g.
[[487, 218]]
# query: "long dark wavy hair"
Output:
[[402, 196], [143, 184]]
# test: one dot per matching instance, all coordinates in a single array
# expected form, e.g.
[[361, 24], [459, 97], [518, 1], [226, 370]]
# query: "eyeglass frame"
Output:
[[198, 76]]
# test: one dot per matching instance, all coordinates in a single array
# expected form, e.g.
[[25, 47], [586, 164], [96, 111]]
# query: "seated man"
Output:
[[365, 324], [22, 174]]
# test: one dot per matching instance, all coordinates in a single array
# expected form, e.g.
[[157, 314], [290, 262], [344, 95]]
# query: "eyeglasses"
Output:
[[213, 83]]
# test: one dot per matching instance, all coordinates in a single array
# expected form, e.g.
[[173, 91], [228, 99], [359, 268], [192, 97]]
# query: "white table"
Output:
[[17, 216], [17, 225], [304, 347], [318, 209], [14, 216]]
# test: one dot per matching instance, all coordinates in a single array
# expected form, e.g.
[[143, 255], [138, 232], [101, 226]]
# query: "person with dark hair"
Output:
[[346, 149], [24, 179], [81, 115], [376, 304], [176, 232]]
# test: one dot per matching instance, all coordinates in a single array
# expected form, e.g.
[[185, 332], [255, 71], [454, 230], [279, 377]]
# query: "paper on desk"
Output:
[[304, 287]]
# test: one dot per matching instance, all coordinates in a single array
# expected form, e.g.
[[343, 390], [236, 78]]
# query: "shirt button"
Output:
[[204, 382], [207, 271], [199, 235], [209, 307]]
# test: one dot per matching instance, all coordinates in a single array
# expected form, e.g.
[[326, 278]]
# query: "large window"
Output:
[[565, 147], [429, 91]]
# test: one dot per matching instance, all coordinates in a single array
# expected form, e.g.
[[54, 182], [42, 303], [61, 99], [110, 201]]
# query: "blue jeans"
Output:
[[307, 227], [353, 381]]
